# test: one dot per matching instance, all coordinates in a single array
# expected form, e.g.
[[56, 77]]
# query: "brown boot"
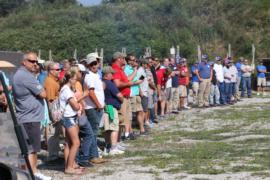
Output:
[[97, 160]]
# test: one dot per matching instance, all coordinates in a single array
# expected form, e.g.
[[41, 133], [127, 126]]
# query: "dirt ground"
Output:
[[228, 142]]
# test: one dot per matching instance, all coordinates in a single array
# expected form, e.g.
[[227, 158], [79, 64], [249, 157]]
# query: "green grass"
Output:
[[210, 154]]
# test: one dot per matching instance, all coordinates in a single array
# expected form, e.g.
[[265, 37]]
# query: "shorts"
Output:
[[261, 82], [136, 104], [111, 125], [162, 96], [69, 122], [32, 130], [168, 93], [183, 91], [125, 115], [145, 103], [151, 101]]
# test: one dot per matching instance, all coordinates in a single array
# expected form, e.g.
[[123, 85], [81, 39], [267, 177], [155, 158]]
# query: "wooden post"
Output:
[[102, 57], [50, 55], [124, 51], [199, 53], [75, 55], [229, 50], [253, 56], [39, 54]]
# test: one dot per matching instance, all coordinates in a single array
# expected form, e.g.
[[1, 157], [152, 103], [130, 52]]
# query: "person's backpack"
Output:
[[55, 111]]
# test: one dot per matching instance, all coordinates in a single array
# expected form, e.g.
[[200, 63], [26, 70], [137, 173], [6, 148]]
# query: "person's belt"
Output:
[[127, 97], [72, 116]]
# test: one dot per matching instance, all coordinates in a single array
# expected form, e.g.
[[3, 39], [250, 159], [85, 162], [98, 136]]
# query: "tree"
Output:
[[7, 6]]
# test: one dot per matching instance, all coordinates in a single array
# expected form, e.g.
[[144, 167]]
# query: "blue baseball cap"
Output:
[[218, 58]]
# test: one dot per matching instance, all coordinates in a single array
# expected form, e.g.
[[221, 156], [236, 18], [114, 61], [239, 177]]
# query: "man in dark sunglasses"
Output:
[[94, 102], [29, 100], [52, 88]]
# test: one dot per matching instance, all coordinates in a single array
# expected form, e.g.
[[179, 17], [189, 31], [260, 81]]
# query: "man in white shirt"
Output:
[[94, 103], [220, 78]]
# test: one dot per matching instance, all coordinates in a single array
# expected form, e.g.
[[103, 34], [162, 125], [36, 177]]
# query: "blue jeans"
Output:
[[88, 148], [246, 85], [228, 92], [152, 114], [221, 87], [214, 96], [94, 116]]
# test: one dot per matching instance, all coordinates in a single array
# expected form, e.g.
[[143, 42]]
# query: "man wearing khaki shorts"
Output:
[[123, 84], [113, 99], [261, 80], [135, 95]]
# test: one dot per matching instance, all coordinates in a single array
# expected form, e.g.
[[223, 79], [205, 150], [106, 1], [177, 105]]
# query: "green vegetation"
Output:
[[227, 147], [62, 26]]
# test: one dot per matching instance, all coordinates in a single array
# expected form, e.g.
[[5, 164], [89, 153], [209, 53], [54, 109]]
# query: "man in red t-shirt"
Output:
[[183, 82], [161, 85], [123, 84]]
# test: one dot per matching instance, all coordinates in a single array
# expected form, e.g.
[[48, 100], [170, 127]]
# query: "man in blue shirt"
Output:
[[175, 86], [195, 82], [204, 74], [238, 78], [261, 80]]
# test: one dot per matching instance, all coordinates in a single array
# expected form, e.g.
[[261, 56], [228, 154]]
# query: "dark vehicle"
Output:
[[14, 163]]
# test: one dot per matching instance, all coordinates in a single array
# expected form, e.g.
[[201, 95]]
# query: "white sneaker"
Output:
[[106, 152], [42, 176], [121, 148], [100, 152], [187, 107], [116, 151]]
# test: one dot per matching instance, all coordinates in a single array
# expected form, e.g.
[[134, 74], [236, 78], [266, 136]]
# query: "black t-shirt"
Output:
[[110, 93], [153, 71]]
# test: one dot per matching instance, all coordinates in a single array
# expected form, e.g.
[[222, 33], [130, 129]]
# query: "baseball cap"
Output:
[[90, 59], [204, 56], [107, 69], [81, 67], [143, 61], [118, 55], [218, 58], [94, 54], [183, 60]]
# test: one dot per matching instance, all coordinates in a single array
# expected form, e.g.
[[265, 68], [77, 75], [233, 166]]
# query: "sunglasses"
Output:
[[32, 61], [94, 63], [57, 69]]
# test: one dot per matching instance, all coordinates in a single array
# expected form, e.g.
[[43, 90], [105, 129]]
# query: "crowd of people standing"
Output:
[[97, 100]]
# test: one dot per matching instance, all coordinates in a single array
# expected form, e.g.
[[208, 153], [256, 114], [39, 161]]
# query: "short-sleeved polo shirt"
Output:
[[261, 68], [26, 90], [111, 92], [195, 78], [93, 81], [183, 79], [134, 89], [204, 70], [52, 88], [161, 79], [120, 74]]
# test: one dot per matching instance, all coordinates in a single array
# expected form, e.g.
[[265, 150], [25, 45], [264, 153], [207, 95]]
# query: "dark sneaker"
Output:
[[86, 164], [145, 133], [155, 121], [132, 136]]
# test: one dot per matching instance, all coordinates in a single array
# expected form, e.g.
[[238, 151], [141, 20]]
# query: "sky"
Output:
[[90, 2]]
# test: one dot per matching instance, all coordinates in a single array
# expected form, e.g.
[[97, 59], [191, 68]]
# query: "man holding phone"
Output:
[[136, 93]]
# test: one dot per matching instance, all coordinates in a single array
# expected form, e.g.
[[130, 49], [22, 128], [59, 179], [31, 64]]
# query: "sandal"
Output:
[[77, 166], [74, 172]]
